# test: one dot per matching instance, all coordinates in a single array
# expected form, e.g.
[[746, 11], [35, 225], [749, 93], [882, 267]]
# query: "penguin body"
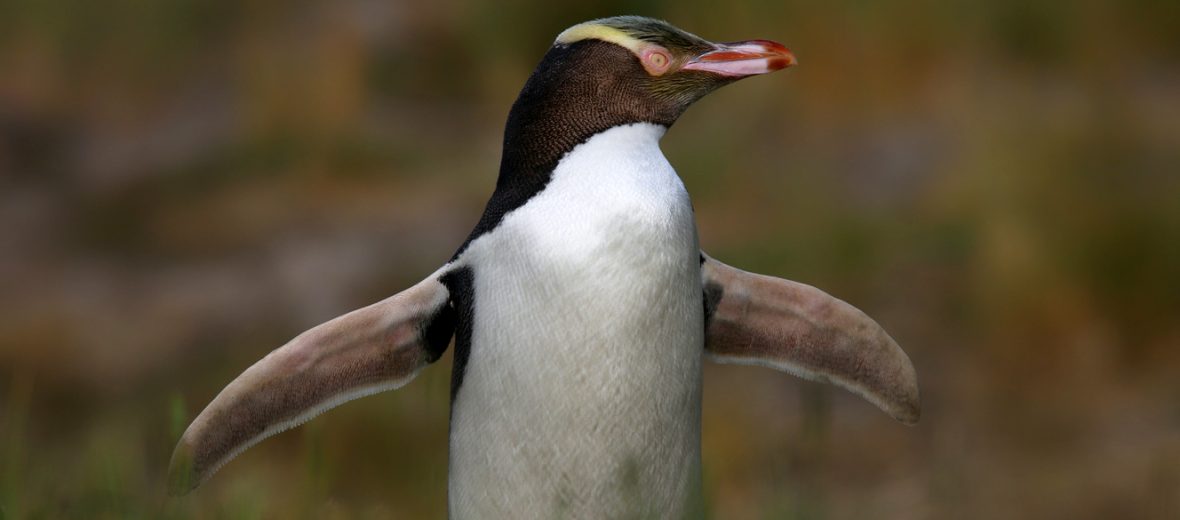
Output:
[[587, 336], [581, 306]]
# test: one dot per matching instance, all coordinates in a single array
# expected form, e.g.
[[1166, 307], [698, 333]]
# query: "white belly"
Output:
[[581, 396]]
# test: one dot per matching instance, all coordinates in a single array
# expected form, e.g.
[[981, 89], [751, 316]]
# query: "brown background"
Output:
[[185, 185]]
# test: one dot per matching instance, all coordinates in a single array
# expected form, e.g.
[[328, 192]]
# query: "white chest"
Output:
[[582, 388]]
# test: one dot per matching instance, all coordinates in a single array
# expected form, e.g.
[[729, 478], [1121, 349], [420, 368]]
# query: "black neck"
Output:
[[577, 91]]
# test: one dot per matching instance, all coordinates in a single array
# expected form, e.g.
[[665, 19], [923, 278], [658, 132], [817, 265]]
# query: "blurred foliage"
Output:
[[186, 184]]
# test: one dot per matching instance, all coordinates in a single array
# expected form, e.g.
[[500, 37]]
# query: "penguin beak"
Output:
[[741, 59]]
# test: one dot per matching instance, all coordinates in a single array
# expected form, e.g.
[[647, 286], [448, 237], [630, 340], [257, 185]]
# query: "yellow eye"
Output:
[[656, 60]]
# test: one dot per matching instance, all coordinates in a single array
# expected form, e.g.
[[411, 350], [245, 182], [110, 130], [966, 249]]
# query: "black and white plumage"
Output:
[[581, 306]]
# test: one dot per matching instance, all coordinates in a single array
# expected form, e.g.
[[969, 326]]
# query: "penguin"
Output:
[[581, 306]]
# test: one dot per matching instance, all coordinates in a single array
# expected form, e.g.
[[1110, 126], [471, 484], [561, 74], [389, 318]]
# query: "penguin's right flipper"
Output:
[[754, 319], [369, 350]]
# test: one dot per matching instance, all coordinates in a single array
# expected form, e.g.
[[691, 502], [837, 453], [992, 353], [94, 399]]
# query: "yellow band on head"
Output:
[[597, 31]]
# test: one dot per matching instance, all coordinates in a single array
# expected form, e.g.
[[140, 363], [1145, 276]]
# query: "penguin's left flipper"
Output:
[[369, 350], [753, 319]]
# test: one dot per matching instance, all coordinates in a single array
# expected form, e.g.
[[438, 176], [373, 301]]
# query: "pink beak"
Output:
[[740, 59]]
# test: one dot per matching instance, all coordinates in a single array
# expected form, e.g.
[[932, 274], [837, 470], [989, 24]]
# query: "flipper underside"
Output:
[[369, 350], [762, 320]]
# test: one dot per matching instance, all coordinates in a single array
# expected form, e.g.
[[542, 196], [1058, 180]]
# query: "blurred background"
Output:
[[185, 185]]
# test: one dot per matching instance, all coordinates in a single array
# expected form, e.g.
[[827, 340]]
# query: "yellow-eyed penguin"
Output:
[[581, 306]]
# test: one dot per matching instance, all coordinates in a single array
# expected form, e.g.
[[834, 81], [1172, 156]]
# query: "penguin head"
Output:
[[617, 71], [659, 65]]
